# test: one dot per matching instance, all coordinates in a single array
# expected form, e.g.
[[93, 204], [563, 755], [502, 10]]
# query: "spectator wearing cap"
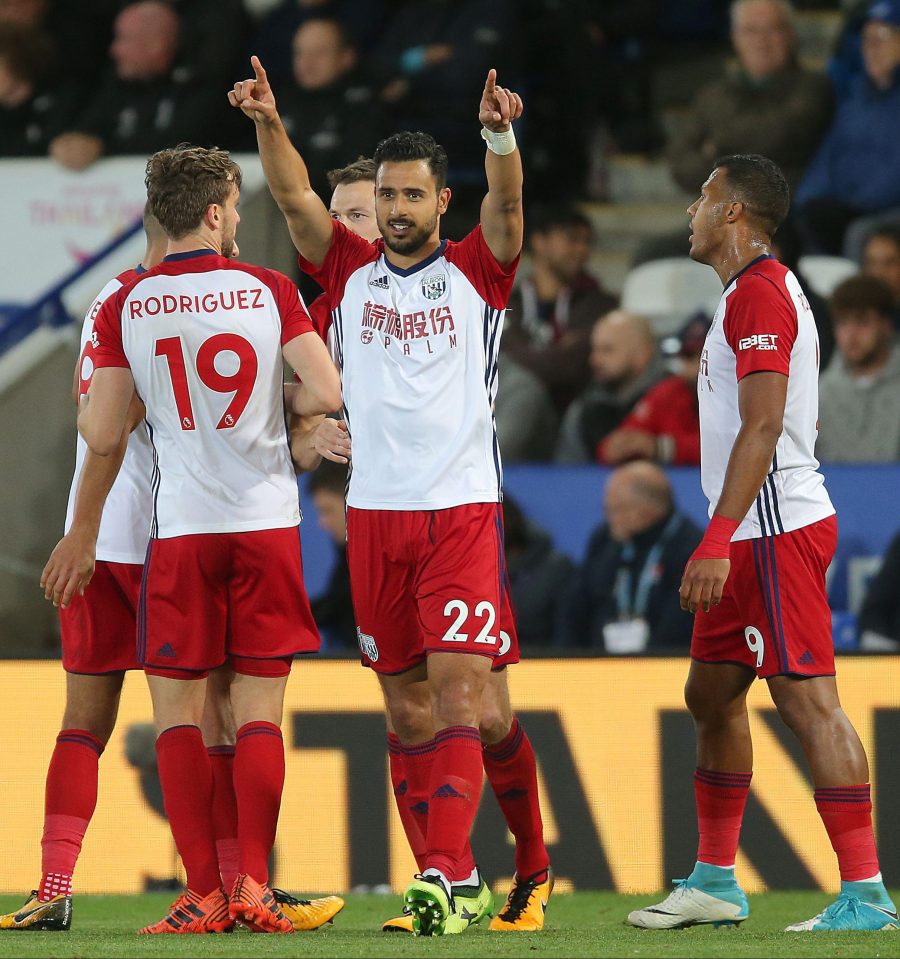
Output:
[[665, 424], [852, 178], [859, 393], [555, 304]]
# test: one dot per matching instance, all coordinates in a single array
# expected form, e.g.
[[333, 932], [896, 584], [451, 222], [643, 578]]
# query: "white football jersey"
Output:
[[417, 350], [764, 323], [125, 523], [202, 336]]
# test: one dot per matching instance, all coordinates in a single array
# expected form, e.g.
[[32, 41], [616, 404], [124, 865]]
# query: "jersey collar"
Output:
[[759, 259], [175, 257], [438, 253]]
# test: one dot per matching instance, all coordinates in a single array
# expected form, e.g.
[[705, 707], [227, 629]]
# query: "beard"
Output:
[[410, 241], [228, 246]]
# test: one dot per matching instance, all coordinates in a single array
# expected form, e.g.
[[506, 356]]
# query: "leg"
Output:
[[185, 776], [811, 709], [715, 694], [217, 727], [509, 763], [92, 703]]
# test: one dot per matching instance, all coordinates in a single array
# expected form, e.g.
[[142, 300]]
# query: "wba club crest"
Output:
[[434, 286], [367, 645]]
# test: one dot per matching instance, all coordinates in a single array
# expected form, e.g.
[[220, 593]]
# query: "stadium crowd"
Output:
[[585, 379]]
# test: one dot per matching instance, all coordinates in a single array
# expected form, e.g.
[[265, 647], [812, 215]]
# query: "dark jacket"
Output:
[[539, 576], [333, 609], [592, 600], [880, 611]]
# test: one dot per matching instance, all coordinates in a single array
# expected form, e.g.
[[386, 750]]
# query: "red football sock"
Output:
[[400, 785], [847, 814], [721, 798], [258, 783], [224, 813], [70, 798], [512, 773], [457, 773], [186, 779]]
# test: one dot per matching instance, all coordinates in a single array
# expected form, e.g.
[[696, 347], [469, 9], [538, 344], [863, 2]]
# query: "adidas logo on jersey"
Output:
[[806, 659], [382, 282], [166, 650]]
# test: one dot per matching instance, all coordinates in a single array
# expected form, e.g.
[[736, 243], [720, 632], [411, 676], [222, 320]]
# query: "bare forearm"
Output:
[[501, 210], [283, 166], [748, 465], [98, 473]]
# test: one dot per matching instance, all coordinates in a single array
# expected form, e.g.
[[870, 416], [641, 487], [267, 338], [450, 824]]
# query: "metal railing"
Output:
[[17, 320]]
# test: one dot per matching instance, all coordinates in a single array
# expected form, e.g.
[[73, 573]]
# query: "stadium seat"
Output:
[[823, 273], [670, 290]]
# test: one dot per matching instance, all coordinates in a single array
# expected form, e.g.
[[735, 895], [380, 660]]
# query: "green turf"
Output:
[[583, 924]]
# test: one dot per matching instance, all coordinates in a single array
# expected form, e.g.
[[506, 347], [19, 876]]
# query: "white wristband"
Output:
[[499, 143]]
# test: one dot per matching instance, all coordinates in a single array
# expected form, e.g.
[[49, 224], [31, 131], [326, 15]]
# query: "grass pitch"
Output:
[[580, 924]]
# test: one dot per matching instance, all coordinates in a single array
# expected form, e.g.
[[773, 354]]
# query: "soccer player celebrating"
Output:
[[756, 583], [416, 324], [200, 339], [511, 771]]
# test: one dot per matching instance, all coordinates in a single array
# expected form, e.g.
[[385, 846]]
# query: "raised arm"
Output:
[[307, 216], [501, 209]]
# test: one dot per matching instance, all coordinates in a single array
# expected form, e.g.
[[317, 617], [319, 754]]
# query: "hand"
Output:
[[255, 97], [70, 567], [75, 151], [499, 106], [332, 441], [702, 583], [629, 444]]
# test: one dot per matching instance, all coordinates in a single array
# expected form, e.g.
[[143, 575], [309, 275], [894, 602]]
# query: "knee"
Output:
[[496, 719], [411, 718], [709, 711], [457, 702], [805, 716]]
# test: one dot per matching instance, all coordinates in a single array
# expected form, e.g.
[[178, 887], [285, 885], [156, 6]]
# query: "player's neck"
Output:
[[405, 261], [191, 242], [737, 255]]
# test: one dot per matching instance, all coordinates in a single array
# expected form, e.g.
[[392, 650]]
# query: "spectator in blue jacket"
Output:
[[853, 178]]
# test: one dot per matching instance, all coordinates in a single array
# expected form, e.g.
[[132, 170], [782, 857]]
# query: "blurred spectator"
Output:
[[361, 19], [213, 39], [859, 393], [624, 597], [147, 101], [787, 248], [879, 617], [853, 175], [625, 362], [330, 110], [665, 424], [767, 103], [79, 32], [434, 56], [539, 575], [526, 418], [554, 306], [881, 258], [333, 609], [32, 107]]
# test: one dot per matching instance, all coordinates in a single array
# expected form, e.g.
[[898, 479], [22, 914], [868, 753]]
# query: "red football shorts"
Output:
[[99, 629], [429, 581], [774, 616], [209, 596]]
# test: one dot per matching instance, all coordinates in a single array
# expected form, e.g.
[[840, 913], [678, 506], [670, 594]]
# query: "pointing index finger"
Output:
[[258, 69], [491, 82]]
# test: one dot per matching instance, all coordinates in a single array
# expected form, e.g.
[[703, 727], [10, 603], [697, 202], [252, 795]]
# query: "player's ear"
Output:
[[444, 199], [735, 209]]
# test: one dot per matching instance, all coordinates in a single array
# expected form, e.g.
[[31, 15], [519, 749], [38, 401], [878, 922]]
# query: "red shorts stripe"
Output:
[[774, 616], [429, 581], [99, 630], [214, 595]]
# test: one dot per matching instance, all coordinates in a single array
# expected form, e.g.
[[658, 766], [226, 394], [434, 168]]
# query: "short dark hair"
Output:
[[362, 169], [328, 477], [862, 292], [760, 185], [544, 218], [406, 146], [889, 231], [184, 180]]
